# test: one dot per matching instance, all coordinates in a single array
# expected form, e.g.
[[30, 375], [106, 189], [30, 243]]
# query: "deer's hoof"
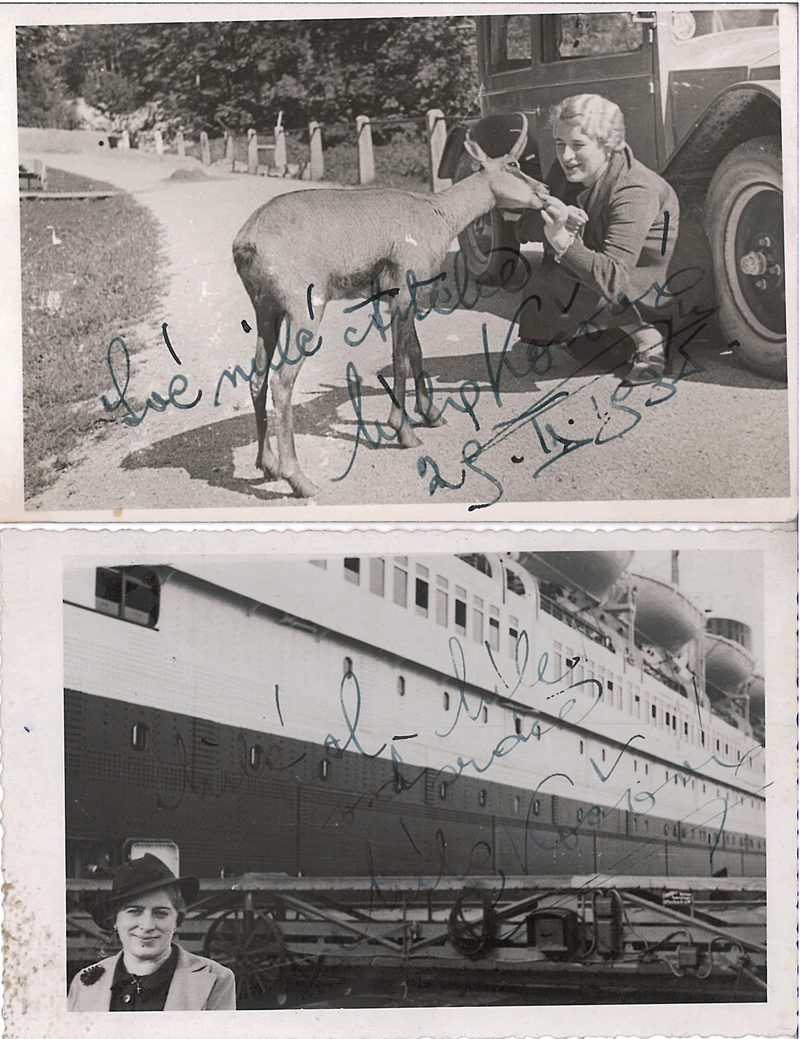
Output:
[[302, 487], [269, 465], [406, 437]]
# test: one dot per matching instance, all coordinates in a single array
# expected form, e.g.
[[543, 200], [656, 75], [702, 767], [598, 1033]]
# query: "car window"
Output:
[[510, 42], [586, 35]]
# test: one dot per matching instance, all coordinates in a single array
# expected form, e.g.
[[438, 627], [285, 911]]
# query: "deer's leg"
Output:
[[267, 324], [424, 405], [398, 417], [282, 386]]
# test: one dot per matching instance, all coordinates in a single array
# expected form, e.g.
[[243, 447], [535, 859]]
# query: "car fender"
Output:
[[737, 114], [496, 134]]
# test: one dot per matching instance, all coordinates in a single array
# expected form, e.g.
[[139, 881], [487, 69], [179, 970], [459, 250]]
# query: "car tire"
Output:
[[489, 244], [744, 222]]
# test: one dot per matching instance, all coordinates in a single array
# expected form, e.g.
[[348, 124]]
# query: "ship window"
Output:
[[581, 746], [461, 616], [685, 728], [352, 569], [421, 597], [702, 739], [477, 624], [666, 718], [446, 700], [377, 569], [517, 804], [704, 788], [139, 734], [514, 583], [324, 768], [653, 711], [494, 632], [674, 722], [321, 563], [443, 791], [635, 765], [400, 586], [717, 744], [726, 748], [479, 562], [485, 715], [441, 607], [401, 685], [603, 754], [536, 806], [130, 593], [667, 775], [518, 726], [482, 798], [610, 684], [579, 815], [513, 635], [646, 768], [256, 752]]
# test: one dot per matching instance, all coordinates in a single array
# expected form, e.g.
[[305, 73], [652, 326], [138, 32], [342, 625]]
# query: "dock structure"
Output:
[[581, 939]]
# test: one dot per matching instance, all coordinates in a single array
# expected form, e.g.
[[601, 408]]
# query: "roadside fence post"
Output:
[[180, 144], [280, 150], [159, 142], [437, 136], [230, 151], [252, 151], [205, 151], [40, 170], [316, 161], [366, 158], [125, 140]]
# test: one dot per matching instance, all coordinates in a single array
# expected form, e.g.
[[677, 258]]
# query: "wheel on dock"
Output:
[[252, 944]]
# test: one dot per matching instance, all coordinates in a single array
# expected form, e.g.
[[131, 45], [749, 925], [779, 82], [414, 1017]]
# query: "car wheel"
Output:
[[489, 245], [744, 221]]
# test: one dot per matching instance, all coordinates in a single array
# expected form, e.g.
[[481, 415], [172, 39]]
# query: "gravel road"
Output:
[[717, 432]]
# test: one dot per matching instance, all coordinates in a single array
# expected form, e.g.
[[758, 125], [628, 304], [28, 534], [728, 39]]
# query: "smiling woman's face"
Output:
[[582, 157], [146, 924]]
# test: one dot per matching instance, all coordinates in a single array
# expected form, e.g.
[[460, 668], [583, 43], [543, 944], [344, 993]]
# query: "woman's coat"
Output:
[[197, 984]]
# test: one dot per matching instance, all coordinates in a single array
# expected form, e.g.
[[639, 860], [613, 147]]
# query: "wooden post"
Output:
[[316, 161], [280, 151], [181, 144], [125, 140], [230, 151], [366, 158], [252, 151], [40, 170], [159, 141], [437, 136], [205, 150]]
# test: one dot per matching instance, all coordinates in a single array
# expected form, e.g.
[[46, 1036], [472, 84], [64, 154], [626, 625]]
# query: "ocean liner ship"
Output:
[[531, 713]]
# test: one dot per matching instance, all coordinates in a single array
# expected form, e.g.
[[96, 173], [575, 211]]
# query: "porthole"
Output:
[[139, 734]]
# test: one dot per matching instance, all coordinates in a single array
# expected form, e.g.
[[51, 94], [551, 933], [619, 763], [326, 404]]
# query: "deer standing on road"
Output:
[[302, 249]]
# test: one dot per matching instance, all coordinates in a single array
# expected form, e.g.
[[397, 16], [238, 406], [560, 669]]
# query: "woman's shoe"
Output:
[[647, 367]]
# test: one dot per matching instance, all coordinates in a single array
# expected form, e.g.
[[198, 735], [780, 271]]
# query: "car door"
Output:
[[608, 53]]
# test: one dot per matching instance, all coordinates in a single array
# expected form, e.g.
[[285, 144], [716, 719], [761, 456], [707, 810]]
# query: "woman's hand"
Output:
[[554, 216]]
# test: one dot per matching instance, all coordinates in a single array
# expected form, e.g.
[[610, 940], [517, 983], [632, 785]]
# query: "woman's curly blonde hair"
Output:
[[598, 117]]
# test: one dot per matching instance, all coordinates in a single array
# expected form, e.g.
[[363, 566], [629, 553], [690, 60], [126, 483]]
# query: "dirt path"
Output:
[[710, 439]]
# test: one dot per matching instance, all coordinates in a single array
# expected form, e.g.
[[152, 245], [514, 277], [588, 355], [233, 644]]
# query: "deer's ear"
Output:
[[474, 150]]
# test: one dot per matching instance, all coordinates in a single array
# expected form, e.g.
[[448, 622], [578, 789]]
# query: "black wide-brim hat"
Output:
[[137, 877]]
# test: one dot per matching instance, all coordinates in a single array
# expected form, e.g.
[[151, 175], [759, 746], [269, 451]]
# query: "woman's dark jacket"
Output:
[[623, 254]]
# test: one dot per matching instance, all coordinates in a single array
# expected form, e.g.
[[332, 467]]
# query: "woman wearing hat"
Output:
[[147, 904]]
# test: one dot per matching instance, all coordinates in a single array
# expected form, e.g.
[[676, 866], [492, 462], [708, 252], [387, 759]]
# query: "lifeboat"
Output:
[[756, 690], [728, 665], [665, 615], [594, 573]]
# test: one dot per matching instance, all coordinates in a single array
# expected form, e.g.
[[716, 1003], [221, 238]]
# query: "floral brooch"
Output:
[[92, 974]]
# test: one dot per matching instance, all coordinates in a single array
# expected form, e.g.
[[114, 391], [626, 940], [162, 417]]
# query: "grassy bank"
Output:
[[90, 271]]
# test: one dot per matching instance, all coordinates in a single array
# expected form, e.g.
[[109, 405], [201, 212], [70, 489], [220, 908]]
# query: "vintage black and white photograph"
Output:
[[472, 262], [400, 773]]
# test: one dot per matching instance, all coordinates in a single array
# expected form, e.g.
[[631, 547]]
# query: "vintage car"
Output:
[[700, 91]]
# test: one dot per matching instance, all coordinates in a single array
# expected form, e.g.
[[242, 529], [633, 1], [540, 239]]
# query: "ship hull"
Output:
[[306, 809]]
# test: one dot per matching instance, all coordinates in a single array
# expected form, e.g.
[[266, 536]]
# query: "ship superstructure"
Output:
[[539, 713]]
